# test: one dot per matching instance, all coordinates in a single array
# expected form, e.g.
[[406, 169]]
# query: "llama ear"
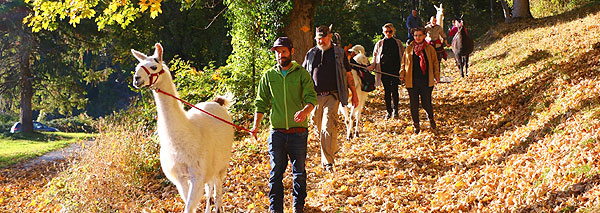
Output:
[[330, 26], [138, 55], [437, 8], [158, 52]]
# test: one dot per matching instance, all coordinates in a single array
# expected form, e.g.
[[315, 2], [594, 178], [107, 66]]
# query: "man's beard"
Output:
[[323, 47], [284, 62]]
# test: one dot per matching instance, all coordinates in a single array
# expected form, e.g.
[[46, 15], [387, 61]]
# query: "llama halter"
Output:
[[153, 76]]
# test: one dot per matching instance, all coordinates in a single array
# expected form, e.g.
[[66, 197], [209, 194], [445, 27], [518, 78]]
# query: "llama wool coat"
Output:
[[406, 68], [285, 95]]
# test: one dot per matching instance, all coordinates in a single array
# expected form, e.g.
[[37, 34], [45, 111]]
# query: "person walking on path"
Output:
[[412, 21], [287, 92], [456, 23], [331, 73], [387, 56], [435, 35], [420, 70]]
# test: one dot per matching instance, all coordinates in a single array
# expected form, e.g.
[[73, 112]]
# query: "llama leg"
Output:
[[466, 64], [219, 190], [350, 124], [347, 119], [459, 63], [195, 192], [182, 184], [357, 118], [207, 194]]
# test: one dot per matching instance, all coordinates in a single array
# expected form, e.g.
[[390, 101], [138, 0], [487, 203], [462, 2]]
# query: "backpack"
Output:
[[367, 79]]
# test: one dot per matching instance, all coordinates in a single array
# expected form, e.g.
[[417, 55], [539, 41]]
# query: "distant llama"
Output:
[[194, 147], [355, 112], [439, 16], [462, 46]]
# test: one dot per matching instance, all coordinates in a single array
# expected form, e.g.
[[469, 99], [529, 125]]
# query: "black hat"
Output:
[[322, 31], [283, 42]]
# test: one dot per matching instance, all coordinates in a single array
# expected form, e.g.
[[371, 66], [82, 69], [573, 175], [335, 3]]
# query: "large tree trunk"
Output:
[[505, 9], [300, 29], [26, 117], [521, 9]]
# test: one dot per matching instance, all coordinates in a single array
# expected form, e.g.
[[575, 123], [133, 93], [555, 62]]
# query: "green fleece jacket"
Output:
[[285, 95]]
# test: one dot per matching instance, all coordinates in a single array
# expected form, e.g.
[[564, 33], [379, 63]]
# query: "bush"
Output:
[[6, 121], [120, 171], [80, 123]]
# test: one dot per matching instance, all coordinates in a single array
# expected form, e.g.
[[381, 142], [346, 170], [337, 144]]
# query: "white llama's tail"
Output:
[[224, 100]]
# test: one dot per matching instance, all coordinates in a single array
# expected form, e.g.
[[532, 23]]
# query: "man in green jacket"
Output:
[[287, 90]]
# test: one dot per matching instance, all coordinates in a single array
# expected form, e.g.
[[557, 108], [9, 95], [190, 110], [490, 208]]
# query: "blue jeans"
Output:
[[281, 146]]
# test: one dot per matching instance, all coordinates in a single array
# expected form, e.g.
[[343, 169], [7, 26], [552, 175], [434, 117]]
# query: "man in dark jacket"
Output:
[[332, 76], [412, 21]]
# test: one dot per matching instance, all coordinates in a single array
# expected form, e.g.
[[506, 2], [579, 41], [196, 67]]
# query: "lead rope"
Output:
[[214, 116]]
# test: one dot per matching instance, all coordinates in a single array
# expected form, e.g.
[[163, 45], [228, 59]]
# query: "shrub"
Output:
[[119, 167], [6, 121], [80, 123]]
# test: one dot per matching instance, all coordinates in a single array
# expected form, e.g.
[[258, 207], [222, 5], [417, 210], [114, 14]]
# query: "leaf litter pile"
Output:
[[520, 133]]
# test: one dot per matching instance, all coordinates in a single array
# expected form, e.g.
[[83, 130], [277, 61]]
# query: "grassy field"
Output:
[[19, 147]]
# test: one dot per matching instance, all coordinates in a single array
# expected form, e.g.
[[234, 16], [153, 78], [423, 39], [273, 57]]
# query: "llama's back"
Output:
[[216, 135]]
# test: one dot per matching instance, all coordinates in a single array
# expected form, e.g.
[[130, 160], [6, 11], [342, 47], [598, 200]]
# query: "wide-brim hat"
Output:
[[357, 49]]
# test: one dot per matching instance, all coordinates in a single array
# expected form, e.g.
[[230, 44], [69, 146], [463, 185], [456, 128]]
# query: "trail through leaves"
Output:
[[520, 133]]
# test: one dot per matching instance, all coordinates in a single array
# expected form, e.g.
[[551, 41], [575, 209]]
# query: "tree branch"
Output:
[[215, 18]]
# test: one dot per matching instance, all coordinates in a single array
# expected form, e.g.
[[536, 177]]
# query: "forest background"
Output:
[[77, 61]]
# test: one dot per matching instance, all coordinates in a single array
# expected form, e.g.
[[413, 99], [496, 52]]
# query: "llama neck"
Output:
[[169, 109]]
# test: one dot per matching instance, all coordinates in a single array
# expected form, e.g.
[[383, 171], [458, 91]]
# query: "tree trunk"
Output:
[[506, 10], [521, 9], [300, 29], [26, 117], [492, 11]]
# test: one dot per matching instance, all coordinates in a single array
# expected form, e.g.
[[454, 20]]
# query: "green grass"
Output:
[[15, 148]]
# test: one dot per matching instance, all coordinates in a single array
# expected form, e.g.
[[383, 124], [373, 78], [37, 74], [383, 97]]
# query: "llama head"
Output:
[[149, 68], [440, 10]]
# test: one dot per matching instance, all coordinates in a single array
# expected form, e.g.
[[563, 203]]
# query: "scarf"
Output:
[[419, 51]]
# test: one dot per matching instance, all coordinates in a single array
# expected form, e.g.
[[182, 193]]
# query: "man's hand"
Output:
[[300, 116], [354, 100], [257, 118]]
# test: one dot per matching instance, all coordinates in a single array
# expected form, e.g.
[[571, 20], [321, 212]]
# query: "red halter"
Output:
[[153, 75]]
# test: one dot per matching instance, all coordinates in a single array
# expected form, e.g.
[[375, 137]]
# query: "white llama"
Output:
[[194, 147], [355, 112], [439, 16]]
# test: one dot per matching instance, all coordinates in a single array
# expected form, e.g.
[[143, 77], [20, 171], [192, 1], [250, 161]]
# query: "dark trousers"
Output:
[[282, 146], [390, 86], [420, 89]]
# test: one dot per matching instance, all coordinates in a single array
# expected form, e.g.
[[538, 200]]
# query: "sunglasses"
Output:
[[388, 31]]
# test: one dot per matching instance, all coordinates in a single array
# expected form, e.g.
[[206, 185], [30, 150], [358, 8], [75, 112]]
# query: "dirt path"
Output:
[[57, 155], [20, 182]]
